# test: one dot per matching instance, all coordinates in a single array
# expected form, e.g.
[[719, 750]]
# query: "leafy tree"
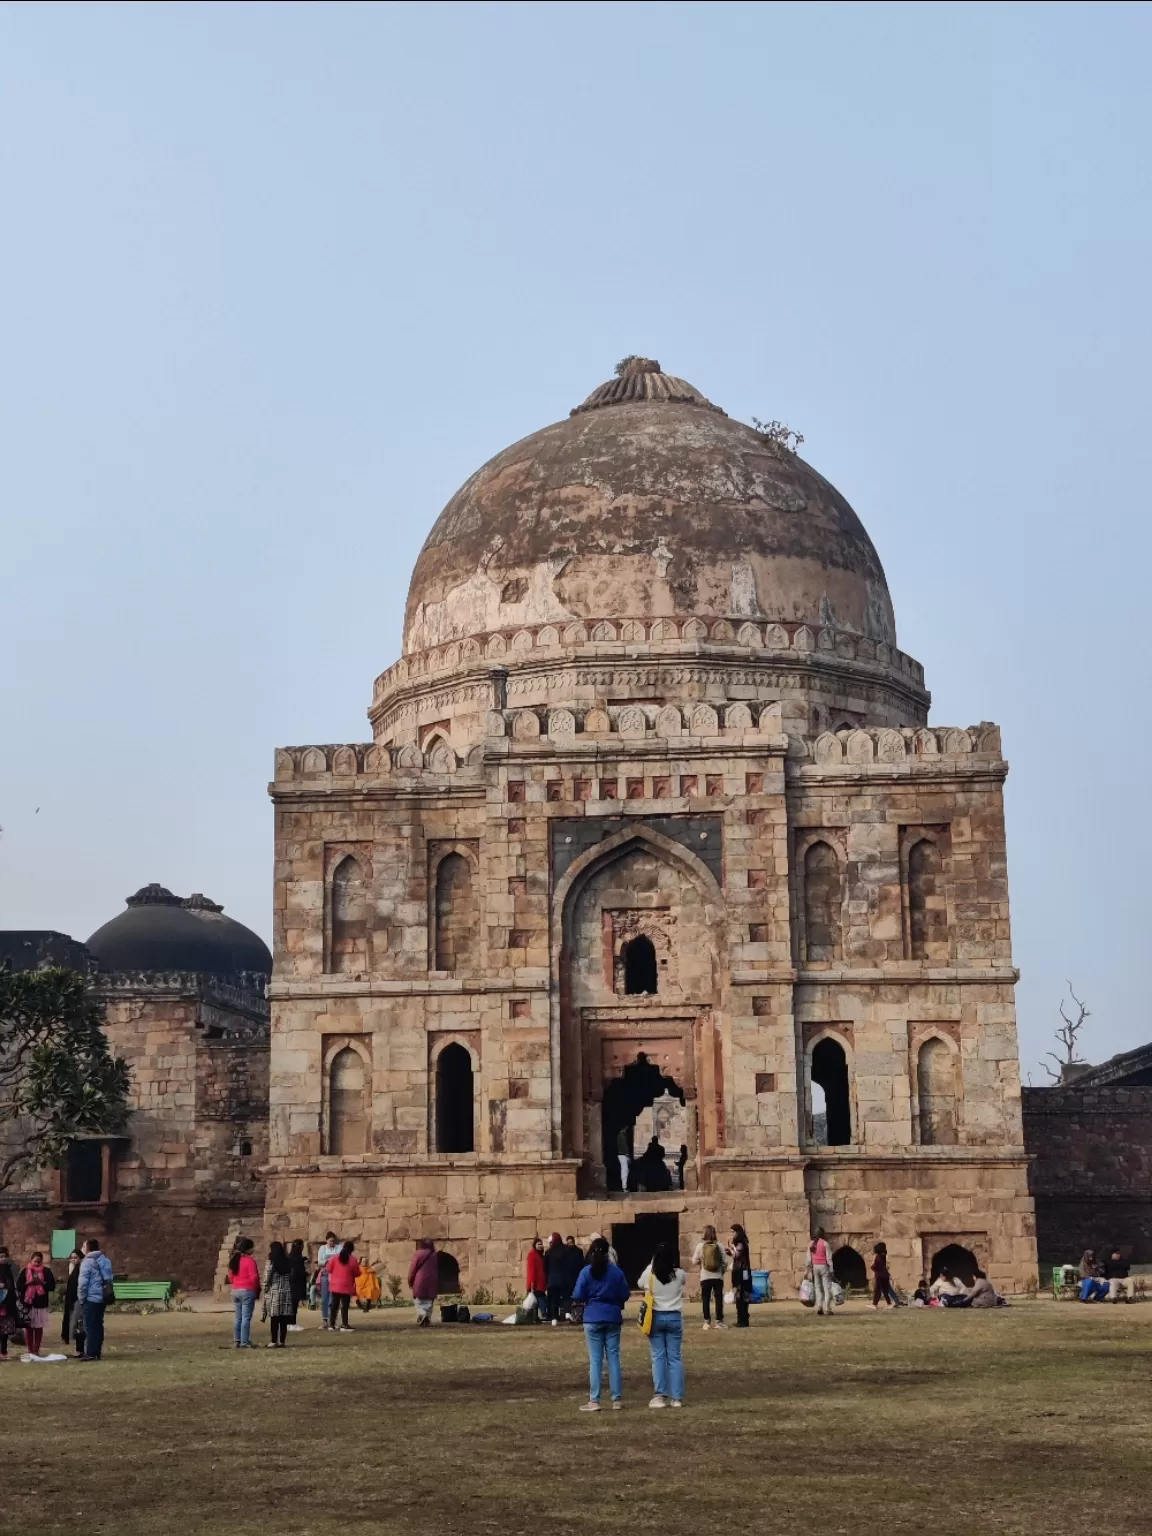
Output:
[[58, 1079]]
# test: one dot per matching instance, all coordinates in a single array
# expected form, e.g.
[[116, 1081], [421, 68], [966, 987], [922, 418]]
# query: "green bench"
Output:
[[144, 1290]]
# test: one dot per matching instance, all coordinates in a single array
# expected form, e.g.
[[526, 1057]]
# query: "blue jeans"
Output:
[[93, 1329], [244, 1303], [665, 1342], [324, 1295], [1093, 1290], [603, 1339]]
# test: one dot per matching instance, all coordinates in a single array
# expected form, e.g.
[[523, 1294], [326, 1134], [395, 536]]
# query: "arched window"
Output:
[[830, 1073], [447, 1274], [927, 914], [850, 1269], [455, 914], [960, 1262], [347, 1103], [640, 975], [936, 1094], [455, 1116], [823, 901], [349, 917]]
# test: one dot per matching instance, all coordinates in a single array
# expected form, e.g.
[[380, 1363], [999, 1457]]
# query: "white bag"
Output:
[[837, 1291], [807, 1293], [529, 1302], [730, 1298]]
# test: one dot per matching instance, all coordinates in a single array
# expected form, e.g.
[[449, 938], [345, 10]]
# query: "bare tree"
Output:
[[1066, 1037]]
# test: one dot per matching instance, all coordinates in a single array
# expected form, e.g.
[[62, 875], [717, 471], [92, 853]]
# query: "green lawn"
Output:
[[1033, 1419]]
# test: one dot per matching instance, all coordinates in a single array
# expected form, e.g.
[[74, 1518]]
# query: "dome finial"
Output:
[[634, 364]]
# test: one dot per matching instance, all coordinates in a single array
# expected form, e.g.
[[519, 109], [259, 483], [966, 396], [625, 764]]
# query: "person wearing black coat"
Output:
[[72, 1323], [556, 1263], [10, 1325], [297, 1278]]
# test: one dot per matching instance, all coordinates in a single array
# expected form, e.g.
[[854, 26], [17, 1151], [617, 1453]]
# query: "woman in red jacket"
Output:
[[342, 1270], [537, 1278]]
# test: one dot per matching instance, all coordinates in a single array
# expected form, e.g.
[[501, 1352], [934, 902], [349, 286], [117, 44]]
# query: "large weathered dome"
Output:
[[647, 502], [161, 932]]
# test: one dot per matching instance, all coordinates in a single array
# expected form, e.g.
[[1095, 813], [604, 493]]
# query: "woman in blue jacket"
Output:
[[604, 1291]]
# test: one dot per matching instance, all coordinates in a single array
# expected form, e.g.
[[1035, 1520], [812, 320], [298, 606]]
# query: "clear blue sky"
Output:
[[277, 278]]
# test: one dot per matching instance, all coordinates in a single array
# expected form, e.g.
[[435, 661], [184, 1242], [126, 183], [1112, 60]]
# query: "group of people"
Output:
[[336, 1279], [1110, 1280], [26, 1295]]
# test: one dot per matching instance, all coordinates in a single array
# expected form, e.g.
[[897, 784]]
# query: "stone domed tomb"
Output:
[[654, 900]]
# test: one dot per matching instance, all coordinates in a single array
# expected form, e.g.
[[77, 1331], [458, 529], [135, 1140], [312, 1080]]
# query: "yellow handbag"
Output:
[[647, 1308]]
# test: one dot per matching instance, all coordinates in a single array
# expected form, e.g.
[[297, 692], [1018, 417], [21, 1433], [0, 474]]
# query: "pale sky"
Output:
[[277, 278]]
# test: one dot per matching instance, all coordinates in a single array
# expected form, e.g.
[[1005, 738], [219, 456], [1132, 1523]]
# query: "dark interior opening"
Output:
[[85, 1172], [447, 1275], [640, 967], [960, 1262], [455, 1131], [830, 1071], [635, 1241], [850, 1269], [636, 1089]]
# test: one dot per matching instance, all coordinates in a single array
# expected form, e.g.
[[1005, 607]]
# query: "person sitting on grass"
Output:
[[947, 1291], [981, 1292], [922, 1295]]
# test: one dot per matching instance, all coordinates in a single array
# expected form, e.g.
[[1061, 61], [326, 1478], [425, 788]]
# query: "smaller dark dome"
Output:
[[162, 932]]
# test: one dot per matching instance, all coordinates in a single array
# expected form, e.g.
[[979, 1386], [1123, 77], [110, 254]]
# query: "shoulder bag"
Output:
[[647, 1308]]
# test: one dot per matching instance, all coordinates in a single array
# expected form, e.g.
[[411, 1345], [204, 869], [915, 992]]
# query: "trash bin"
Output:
[[761, 1285]]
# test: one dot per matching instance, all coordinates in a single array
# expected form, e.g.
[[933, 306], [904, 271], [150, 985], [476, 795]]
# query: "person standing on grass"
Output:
[[244, 1278], [94, 1292], [72, 1322], [424, 1280], [9, 1313], [820, 1258], [665, 1283], [881, 1279], [556, 1272], [740, 1252], [536, 1278], [277, 1308], [709, 1259], [329, 1248], [298, 1280], [34, 1285], [603, 1289], [342, 1269]]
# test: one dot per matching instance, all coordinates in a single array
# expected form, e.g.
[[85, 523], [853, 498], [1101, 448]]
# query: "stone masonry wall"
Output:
[[1091, 1172]]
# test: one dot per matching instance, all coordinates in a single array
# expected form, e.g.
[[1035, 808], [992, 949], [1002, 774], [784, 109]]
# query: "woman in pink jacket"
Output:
[[423, 1280], [342, 1270], [245, 1281]]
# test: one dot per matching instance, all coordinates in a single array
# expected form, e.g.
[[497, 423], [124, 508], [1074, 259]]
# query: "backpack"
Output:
[[712, 1257]]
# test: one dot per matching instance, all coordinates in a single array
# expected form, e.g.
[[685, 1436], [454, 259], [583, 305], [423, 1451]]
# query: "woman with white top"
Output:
[[665, 1284], [709, 1258]]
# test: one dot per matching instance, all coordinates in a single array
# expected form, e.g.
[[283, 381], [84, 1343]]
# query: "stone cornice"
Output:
[[288, 989], [447, 1163]]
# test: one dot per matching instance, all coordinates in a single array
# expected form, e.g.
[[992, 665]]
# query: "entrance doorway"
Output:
[[635, 1241], [658, 1162]]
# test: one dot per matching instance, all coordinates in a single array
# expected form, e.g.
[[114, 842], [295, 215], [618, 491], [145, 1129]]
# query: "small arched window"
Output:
[[830, 1074], [823, 902], [455, 915], [347, 1104], [927, 912], [640, 972], [455, 1112], [349, 948], [936, 1094]]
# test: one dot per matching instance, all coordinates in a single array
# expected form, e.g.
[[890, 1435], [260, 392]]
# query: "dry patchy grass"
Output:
[[1032, 1419]]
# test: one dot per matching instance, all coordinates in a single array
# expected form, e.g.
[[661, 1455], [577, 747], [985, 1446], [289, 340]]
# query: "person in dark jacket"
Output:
[[604, 1291], [1116, 1272], [556, 1271], [298, 1280], [424, 1280], [739, 1252], [9, 1315], [72, 1323]]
